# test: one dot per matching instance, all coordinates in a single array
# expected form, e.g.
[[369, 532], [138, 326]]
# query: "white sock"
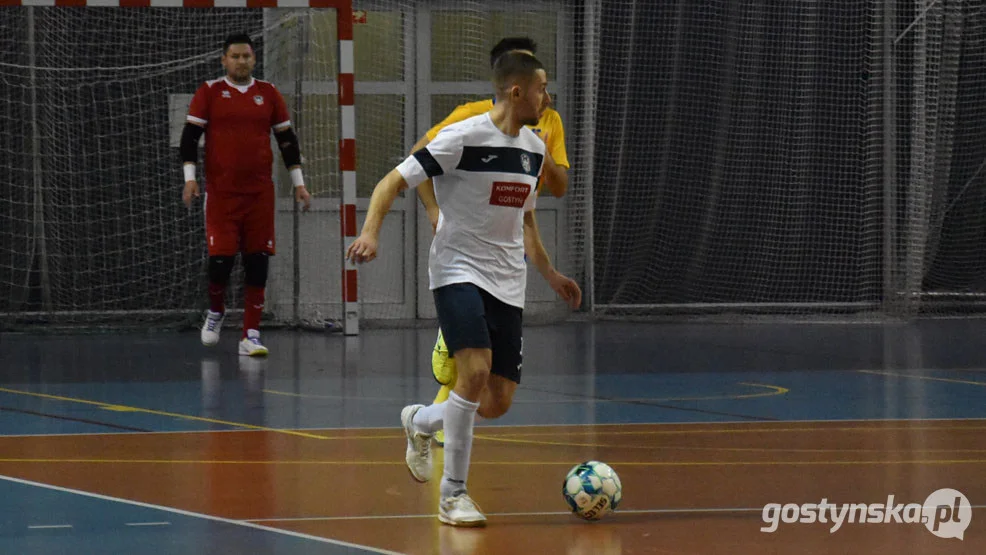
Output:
[[430, 419], [460, 416]]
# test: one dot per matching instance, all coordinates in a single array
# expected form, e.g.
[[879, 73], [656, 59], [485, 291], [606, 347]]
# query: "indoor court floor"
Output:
[[151, 443]]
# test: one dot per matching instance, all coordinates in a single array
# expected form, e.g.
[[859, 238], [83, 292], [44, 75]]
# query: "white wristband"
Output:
[[189, 172], [296, 178]]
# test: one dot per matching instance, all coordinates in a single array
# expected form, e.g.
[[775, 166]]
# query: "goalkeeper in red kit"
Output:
[[237, 114]]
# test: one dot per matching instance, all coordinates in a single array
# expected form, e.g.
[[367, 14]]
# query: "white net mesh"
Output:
[[93, 231], [743, 169], [941, 156]]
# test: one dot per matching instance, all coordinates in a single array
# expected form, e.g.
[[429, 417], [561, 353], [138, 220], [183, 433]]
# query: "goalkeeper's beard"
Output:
[[240, 75]]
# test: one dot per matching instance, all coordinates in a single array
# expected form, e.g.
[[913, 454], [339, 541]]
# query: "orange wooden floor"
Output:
[[725, 438], [688, 488]]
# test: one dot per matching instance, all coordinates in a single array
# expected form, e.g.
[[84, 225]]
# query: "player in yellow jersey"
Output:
[[554, 179]]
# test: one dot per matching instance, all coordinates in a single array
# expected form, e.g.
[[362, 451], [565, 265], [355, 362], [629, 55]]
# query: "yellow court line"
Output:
[[331, 397], [774, 391], [125, 408], [600, 429], [507, 439], [498, 463], [929, 378]]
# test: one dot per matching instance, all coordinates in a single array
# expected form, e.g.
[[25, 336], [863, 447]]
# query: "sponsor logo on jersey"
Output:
[[509, 194]]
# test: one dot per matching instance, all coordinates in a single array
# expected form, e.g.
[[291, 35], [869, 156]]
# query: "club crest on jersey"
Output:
[[258, 100], [525, 161]]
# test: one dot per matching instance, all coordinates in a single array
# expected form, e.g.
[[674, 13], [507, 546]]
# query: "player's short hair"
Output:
[[237, 38], [513, 67], [512, 43]]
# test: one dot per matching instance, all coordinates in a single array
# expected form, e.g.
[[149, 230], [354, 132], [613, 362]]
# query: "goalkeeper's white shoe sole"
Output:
[[211, 328], [251, 346]]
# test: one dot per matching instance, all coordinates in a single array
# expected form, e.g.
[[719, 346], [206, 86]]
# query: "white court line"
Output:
[[163, 523], [49, 526], [200, 515], [544, 513]]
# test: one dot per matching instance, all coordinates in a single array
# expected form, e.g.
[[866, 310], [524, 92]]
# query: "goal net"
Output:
[[93, 233]]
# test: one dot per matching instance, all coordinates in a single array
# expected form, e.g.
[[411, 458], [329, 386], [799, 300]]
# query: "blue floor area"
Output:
[[36, 519], [574, 374]]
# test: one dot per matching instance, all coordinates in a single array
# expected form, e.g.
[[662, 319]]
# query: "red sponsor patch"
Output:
[[506, 193]]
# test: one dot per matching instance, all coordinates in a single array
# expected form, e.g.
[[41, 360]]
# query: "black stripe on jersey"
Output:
[[428, 162], [501, 159]]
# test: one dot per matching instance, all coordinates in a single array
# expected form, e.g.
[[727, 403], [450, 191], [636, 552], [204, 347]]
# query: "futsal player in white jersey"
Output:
[[485, 170]]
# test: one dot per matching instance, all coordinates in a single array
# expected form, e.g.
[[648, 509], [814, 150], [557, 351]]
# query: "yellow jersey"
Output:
[[549, 127]]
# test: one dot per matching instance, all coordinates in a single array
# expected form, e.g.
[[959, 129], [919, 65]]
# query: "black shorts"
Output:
[[471, 318]]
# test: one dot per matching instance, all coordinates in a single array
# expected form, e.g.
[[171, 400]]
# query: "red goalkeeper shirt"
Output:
[[238, 120]]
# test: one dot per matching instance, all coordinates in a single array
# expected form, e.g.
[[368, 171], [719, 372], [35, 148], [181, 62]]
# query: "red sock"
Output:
[[253, 305], [217, 294]]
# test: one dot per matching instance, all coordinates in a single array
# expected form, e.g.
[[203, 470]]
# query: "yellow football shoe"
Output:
[[443, 364]]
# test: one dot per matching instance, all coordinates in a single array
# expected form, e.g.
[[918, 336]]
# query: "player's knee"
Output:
[[498, 397], [494, 407], [220, 268], [473, 369], [255, 267]]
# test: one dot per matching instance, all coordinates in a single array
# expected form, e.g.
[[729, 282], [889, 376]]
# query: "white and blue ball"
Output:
[[592, 489]]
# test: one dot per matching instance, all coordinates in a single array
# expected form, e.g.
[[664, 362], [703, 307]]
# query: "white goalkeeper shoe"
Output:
[[210, 329], [251, 345]]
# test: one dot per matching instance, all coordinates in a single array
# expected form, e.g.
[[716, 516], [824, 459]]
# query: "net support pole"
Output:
[[890, 232], [38, 196], [302, 31], [589, 133], [347, 165], [919, 184]]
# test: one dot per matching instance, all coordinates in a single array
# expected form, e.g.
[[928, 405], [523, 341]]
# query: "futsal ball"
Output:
[[592, 489]]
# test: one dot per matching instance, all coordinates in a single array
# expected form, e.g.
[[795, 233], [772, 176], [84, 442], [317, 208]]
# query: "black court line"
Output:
[[644, 402], [72, 419]]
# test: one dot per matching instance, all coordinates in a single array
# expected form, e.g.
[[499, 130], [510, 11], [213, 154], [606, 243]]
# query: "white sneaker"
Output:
[[210, 329], [418, 456], [251, 345], [460, 510]]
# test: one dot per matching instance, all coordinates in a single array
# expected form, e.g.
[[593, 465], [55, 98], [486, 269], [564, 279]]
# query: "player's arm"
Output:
[[189, 150], [195, 122], [426, 191], [556, 162], [555, 176], [566, 288], [287, 143], [440, 156], [364, 248]]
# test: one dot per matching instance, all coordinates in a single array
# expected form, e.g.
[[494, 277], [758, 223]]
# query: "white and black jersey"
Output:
[[484, 182]]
